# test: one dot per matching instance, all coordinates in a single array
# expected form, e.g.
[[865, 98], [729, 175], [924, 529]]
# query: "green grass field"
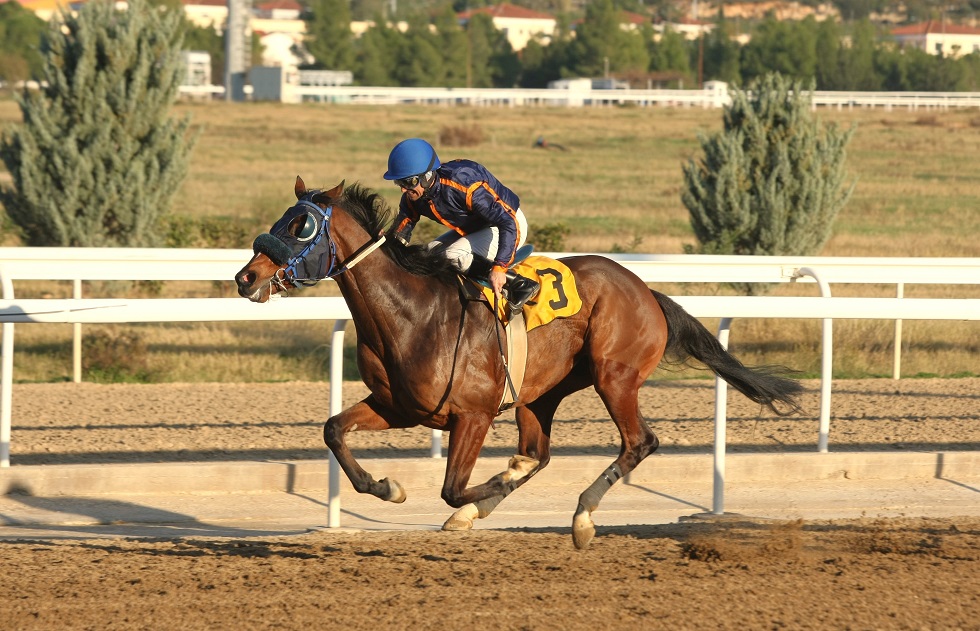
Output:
[[617, 187]]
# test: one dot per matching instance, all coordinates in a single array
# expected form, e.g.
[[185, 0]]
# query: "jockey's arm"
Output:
[[403, 226], [496, 213]]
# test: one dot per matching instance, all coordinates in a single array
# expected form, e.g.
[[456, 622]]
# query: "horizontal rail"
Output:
[[217, 264], [586, 96], [109, 310]]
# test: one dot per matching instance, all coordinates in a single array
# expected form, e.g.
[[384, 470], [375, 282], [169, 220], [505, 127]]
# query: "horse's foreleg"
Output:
[[361, 416], [534, 453], [465, 440]]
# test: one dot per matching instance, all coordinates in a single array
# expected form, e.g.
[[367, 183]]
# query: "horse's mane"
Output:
[[372, 212]]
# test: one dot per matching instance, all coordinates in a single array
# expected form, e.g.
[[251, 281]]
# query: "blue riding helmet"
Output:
[[411, 157]]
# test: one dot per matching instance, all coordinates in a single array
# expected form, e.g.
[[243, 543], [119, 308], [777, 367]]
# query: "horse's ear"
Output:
[[332, 195], [300, 188], [337, 191]]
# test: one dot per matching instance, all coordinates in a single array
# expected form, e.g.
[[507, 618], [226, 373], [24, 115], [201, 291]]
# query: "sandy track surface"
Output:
[[846, 574], [91, 423]]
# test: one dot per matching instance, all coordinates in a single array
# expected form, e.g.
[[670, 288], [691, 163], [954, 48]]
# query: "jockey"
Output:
[[485, 221]]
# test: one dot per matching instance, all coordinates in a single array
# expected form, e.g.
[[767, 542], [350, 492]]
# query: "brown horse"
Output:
[[431, 358]]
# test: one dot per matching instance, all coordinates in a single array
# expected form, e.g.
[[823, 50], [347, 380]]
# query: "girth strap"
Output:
[[516, 331]]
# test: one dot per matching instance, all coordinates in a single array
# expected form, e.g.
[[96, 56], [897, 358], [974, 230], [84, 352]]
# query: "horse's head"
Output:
[[297, 251]]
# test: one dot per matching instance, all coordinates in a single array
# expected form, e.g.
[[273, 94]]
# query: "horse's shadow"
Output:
[[87, 517]]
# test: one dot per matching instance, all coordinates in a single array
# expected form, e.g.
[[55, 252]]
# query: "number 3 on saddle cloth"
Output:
[[557, 298]]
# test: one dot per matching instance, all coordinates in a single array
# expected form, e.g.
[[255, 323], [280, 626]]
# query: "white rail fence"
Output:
[[82, 264], [521, 97]]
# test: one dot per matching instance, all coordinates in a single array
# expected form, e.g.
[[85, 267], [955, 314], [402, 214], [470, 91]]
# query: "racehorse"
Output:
[[431, 357]]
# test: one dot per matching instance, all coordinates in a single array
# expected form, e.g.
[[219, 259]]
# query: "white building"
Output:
[[207, 13], [520, 25], [939, 38], [691, 29]]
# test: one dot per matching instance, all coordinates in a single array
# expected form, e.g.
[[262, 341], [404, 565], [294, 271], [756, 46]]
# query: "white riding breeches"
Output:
[[460, 249]]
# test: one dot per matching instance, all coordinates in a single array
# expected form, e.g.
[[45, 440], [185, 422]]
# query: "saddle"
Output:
[[556, 298], [474, 289]]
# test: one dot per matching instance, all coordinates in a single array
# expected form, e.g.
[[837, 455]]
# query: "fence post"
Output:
[[6, 375], [336, 405], [76, 342], [435, 451], [721, 427], [826, 362], [897, 357]]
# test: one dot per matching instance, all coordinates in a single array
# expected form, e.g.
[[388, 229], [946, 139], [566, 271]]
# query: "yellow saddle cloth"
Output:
[[558, 297]]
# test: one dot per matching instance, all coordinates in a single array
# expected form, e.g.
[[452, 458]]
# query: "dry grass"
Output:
[[617, 187]]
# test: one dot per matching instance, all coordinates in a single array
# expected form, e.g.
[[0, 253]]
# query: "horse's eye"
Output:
[[303, 227]]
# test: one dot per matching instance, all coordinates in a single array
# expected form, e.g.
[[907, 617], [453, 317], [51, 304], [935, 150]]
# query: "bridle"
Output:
[[291, 252]]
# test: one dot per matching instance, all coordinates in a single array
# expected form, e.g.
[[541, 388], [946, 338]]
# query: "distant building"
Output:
[[629, 21], [197, 65], [939, 38], [691, 29], [520, 25], [780, 9], [278, 10], [207, 13]]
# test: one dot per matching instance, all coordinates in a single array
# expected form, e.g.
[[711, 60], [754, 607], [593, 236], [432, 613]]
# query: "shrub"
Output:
[[461, 136], [772, 182], [549, 238], [121, 358], [97, 161]]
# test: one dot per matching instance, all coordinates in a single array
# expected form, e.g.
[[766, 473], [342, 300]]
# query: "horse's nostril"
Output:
[[246, 278]]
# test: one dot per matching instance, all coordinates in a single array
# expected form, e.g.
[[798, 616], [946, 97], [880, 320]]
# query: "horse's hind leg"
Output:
[[638, 441], [533, 455], [363, 416]]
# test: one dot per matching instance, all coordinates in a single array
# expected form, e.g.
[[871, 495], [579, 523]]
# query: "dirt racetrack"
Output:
[[847, 574]]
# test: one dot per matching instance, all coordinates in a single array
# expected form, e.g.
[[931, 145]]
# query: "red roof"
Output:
[[207, 3], [935, 27], [507, 10], [627, 17], [285, 5]]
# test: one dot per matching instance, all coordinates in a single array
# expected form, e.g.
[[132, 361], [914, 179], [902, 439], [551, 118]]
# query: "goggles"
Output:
[[409, 182], [303, 227]]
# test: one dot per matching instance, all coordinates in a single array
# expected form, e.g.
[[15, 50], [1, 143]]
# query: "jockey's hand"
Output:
[[497, 280]]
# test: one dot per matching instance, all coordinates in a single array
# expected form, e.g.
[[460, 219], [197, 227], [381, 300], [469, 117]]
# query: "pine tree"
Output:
[[96, 161], [328, 34], [772, 182]]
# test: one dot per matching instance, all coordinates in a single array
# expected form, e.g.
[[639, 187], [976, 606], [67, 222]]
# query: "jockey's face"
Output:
[[413, 193]]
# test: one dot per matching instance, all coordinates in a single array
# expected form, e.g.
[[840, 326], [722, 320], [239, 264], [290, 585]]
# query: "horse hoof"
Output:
[[462, 519], [583, 530], [396, 493], [518, 467]]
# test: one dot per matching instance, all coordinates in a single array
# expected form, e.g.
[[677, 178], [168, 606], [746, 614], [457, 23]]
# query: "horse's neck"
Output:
[[390, 304]]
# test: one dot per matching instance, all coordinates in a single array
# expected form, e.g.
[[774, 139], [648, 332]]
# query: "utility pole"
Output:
[[697, 24], [237, 53]]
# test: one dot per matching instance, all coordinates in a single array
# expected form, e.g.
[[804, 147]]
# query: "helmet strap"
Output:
[[427, 179]]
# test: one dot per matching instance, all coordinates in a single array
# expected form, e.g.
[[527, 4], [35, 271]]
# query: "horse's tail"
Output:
[[687, 338]]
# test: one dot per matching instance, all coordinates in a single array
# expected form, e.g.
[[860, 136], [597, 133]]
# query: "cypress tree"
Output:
[[772, 182], [96, 161]]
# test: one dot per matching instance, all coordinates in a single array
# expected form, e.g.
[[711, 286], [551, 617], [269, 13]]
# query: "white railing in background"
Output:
[[78, 264], [521, 97]]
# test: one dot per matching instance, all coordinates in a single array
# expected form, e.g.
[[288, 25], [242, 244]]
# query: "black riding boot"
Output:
[[519, 289]]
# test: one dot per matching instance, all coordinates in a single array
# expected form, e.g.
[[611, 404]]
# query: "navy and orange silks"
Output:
[[466, 197]]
